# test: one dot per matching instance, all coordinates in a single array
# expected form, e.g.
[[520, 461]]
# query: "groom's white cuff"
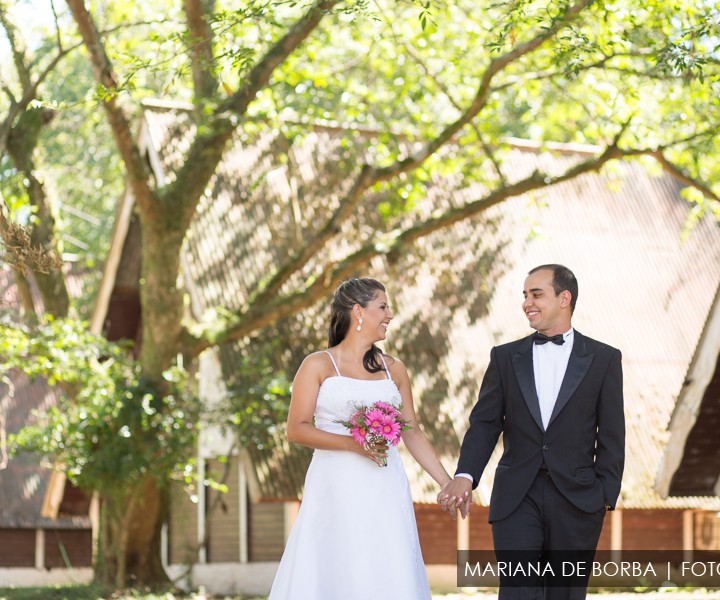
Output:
[[465, 475]]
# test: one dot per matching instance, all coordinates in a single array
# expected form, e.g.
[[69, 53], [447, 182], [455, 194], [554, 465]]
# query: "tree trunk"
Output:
[[129, 552], [135, 528], [130, 537], [143, 556], [21, 145], [161, 300], [27, 305]]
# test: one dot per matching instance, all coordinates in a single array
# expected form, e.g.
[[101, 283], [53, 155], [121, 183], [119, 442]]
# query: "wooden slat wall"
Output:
[[223, 522], [707, 531], [652, 529], [77, 544], [438, 535], [17, 547], [480, 529], [267, 531], [604, 541], [182, 527]]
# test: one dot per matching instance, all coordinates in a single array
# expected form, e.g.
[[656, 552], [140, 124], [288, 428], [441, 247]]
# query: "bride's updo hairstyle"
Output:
[[349, 293]]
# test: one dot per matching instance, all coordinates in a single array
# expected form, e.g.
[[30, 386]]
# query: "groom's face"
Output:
[[546, 312]]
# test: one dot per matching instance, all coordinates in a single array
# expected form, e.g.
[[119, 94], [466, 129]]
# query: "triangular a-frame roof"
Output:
[[642, 289], [691, 461]]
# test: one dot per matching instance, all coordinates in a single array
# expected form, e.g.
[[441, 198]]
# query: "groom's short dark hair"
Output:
[[563, 279]]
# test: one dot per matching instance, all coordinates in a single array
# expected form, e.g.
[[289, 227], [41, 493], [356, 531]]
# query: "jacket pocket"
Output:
[[585, 475]]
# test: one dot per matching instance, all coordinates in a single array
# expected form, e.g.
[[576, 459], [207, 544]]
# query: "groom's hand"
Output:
[[457, 494]]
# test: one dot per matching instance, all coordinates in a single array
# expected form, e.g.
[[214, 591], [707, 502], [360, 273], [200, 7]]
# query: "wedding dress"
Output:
[[355, 537]]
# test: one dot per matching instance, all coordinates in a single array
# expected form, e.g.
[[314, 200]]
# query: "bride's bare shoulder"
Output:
[[317, 363], [395, 365]]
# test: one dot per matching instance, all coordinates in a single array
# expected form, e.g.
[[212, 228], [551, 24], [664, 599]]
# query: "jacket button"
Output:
[[545, 448]]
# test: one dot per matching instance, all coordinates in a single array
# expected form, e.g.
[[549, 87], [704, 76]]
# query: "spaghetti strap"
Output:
[[334, 363], [386, 367]]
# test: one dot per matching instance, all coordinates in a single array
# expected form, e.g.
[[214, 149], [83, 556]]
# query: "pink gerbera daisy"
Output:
[[358, 434], [374, 420], [390, 430]]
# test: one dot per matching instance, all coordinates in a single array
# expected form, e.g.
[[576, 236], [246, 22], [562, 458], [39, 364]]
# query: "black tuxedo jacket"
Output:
[[583, 447]]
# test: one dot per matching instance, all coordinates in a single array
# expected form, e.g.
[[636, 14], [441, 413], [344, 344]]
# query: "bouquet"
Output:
[[377, 423]]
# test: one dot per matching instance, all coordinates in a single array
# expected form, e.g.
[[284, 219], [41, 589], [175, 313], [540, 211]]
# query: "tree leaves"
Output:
[[110, 426]]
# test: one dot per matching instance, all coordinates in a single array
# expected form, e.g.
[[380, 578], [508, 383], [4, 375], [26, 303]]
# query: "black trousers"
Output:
[[546, 529]]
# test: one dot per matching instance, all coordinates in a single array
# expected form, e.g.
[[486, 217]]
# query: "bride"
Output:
[[355, 536]]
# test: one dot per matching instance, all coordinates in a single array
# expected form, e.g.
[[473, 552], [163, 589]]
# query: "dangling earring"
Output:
[[359, 327]]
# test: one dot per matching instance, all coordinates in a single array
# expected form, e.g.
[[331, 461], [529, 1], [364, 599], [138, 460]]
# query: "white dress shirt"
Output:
[[550, 362]]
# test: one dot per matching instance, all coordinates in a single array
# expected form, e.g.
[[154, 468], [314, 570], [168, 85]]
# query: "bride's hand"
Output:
[[376, 452]]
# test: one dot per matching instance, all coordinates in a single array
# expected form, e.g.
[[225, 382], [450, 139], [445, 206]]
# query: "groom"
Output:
[[557, 398]]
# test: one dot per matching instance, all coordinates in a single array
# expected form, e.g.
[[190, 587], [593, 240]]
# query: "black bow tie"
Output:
[[541, 338]]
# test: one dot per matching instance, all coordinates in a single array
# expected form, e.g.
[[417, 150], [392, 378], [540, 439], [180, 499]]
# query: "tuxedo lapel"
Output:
[[523, 365], [578, 364]]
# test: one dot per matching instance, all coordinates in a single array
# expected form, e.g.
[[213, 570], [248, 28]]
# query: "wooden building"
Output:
[[643, 288], [38, 545], [691, 459]]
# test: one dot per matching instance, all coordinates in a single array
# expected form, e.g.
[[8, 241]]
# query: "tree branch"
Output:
[[369, 175], [259, 315], [21, 145], [8, 92], [333, 274], [208, 148], [17, 45], [29, 94], [19, 133], [200, 46], [683, 176], [260, 74], [58, 37], [119, 123], [496, 65], [444, 89]]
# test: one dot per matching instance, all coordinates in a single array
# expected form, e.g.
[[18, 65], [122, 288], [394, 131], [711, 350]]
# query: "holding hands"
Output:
[[457, 494]]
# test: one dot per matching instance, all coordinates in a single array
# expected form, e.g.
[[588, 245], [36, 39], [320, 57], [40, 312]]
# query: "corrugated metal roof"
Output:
[[642, 289]]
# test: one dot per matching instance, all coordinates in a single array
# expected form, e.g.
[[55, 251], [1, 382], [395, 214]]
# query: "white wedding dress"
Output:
[[355, 537]]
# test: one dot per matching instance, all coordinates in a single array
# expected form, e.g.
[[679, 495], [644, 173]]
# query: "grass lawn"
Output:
[[96, 592]]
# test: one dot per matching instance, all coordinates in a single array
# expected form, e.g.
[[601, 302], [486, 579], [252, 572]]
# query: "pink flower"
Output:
[[358, 434], [374, 420], [389, 409], [390, 430], [377, 422]]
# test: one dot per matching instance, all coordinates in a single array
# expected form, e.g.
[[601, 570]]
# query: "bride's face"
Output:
[[376, 317]]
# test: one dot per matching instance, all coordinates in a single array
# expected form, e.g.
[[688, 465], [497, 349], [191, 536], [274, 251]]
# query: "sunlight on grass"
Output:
[[96, 592]]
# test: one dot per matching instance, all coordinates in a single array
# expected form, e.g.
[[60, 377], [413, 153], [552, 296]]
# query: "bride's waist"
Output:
[[336, 428], [317, 452]]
